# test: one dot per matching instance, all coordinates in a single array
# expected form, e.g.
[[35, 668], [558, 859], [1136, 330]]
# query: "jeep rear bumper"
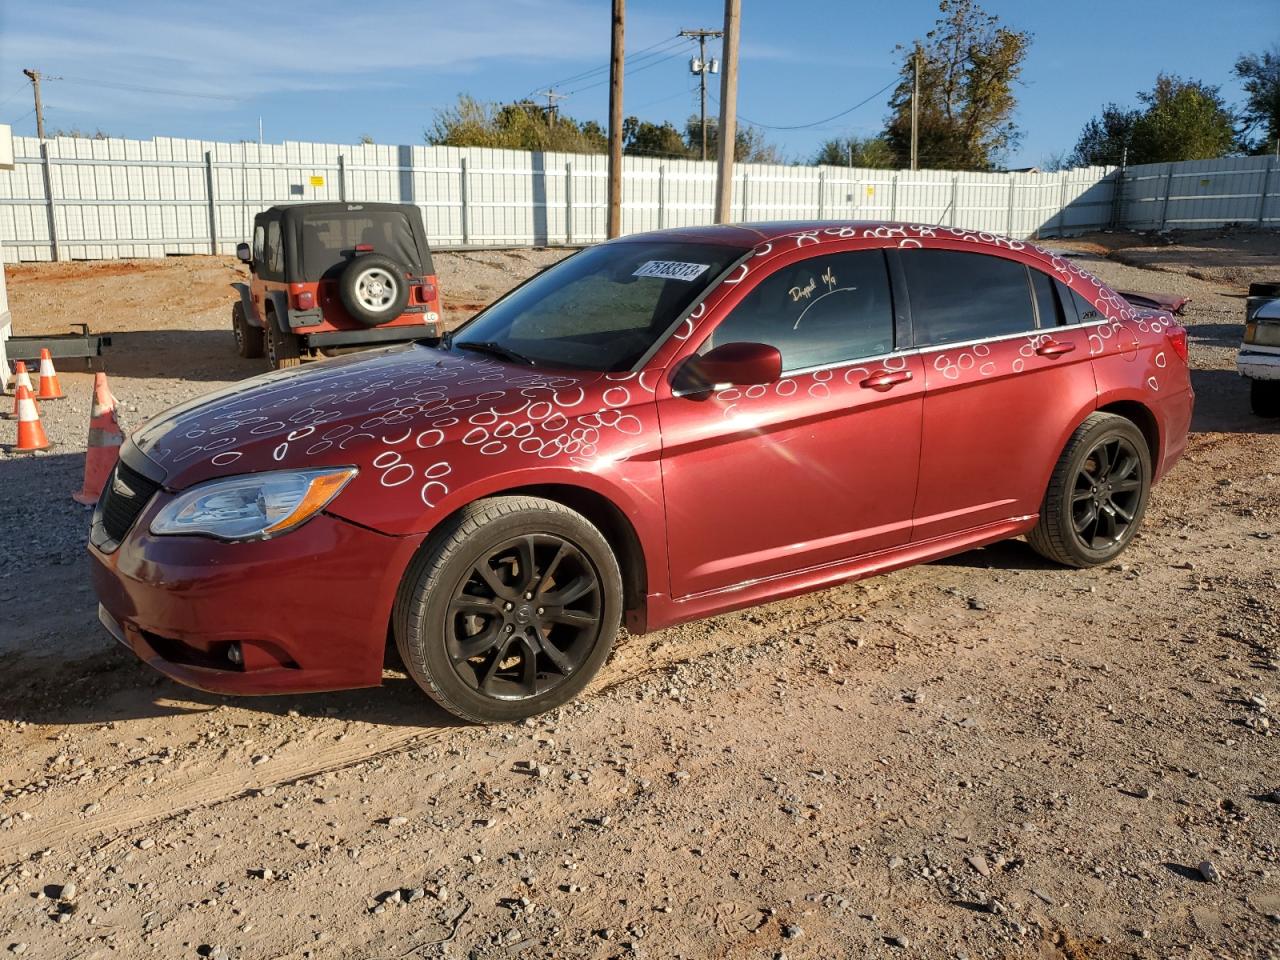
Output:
[[347, 338]]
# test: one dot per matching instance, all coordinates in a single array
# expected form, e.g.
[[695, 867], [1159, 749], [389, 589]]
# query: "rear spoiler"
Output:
[[1156, 301]]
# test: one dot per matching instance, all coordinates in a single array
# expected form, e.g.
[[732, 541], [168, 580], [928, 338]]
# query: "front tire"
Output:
[[283, 349], [509, 609], [1097, 494], [1264, 397]]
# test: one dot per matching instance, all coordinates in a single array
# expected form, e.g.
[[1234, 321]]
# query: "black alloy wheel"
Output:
[[1108, 489], [1097, 493], [509, 609], [525, 618]]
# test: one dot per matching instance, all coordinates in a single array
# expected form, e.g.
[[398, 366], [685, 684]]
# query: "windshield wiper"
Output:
[[494, 349]]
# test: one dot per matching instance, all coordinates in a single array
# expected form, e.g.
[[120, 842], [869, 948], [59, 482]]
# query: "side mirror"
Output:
[[736, 364], [243, 253]]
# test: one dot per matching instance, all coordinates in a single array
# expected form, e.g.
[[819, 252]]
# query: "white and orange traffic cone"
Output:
[[31, 435], [105, 437], [20, 379], [49, 389]]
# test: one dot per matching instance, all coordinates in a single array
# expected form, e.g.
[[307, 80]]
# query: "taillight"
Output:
[[304, 300], [426, 292], [364, 248], [1177, 337]]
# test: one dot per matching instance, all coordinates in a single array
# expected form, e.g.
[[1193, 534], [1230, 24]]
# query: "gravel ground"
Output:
[[982, 757]]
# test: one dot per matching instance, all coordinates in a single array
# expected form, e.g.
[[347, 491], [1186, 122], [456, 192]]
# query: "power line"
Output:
[[818, 123], [639, 55], [629, 72], [13, 96]]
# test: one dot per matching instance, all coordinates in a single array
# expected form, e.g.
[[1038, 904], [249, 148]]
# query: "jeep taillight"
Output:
[[426, 292], [304, 300], [1177, 337]]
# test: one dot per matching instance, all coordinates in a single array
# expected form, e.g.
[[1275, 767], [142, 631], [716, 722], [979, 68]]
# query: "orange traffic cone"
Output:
[[31, 435], [21, 379], [49, 389], [105, 438]]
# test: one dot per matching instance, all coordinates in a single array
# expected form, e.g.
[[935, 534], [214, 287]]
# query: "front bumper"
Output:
[[1258, 366], [307, 611]]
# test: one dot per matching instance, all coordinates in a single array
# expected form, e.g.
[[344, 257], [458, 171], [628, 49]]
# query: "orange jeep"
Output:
[[334, 275]]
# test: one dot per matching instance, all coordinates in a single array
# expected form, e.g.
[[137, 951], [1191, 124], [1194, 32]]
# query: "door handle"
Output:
[[1054, 348], [886, 379]]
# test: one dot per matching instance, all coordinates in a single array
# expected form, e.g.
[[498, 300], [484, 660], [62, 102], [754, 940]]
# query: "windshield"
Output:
[[601, 309]]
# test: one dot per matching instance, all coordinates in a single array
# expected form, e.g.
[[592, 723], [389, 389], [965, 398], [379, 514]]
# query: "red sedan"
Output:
[[659, 428]]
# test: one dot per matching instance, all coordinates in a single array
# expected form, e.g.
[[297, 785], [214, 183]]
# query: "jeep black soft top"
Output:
[[320, 238]]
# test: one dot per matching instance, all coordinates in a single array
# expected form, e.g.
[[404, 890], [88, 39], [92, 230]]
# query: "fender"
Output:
[[246, 301], [280, 305], [646, 516], [1110, 398]]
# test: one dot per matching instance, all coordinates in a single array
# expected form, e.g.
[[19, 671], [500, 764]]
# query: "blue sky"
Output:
[[330, 70]]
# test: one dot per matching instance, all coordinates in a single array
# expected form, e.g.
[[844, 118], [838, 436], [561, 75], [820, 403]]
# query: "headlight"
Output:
[[255, 506]]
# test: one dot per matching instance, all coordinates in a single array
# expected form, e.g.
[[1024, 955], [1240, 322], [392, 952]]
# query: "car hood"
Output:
[[350, 410]]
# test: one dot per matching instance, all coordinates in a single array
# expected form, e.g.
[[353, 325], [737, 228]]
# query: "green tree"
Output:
[[646, 139], [872, 152], [513, 126], [750, 145], [1104, 138], [1183, 120], [1259, 74], [79, 134], [969, 63]]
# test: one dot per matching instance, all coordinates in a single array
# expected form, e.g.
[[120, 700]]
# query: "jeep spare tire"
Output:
[[373, 289]]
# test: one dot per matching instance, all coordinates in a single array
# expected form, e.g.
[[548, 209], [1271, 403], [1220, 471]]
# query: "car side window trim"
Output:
[[1066, 311], [903, 333]]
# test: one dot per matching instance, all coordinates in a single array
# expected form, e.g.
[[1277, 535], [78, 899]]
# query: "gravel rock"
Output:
[[1209, 871]]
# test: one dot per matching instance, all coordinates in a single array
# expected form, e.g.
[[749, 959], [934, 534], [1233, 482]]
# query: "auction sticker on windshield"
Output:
[[671, 269]]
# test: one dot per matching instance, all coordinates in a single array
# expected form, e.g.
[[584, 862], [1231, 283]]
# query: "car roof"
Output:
[[300, 209], [749, 235]]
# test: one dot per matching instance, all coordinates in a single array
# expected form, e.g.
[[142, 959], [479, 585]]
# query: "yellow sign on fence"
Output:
[[317, 181]]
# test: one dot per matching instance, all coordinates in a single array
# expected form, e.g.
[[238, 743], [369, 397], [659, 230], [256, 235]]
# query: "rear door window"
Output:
[[1049, 309], [273, 255], [957, 296], [817, 312], [1077, 308], [329, 240]]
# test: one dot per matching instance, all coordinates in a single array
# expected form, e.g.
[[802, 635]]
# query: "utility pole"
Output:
[[34, 77], [727, 134], [915, 108], [615, 119], [552, 109], [701, 67]]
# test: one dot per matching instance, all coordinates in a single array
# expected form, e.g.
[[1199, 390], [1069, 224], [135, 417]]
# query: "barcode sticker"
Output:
[[671, 270]]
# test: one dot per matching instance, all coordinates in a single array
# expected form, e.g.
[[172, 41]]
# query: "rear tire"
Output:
[[509, 609], [248, 338], [1264, 397], [1097, 494], [284, 350]]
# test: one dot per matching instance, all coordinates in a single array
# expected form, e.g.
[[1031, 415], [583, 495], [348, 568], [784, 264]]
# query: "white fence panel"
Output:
[[95, 199]]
